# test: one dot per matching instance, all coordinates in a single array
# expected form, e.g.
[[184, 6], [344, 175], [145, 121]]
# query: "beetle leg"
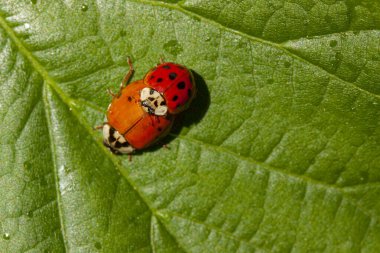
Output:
[[128, 75], [162, 60], [99, 127], [109, 91], [125, 80]]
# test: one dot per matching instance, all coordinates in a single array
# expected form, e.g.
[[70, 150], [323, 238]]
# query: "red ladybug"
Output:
[[176, 84]]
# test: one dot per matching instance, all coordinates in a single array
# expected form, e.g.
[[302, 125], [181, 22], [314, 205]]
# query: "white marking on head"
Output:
[[115, 141], [106, 132], [153, 102], [144, 94], [161, 110]]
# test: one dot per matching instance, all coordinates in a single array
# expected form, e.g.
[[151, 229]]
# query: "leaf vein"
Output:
[[276, 170], [252, 38]]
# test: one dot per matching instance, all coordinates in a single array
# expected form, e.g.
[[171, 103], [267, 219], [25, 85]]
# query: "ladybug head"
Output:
[[115, 142], [153, 102]]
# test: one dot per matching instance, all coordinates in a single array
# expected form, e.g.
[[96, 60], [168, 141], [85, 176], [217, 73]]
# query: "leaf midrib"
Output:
[[54, 85], [55, 170]]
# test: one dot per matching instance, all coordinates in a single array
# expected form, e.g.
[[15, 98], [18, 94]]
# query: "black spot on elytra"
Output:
[[166, 67], [159, 129], [172, 76], [159, 80], [181, 85], [175, 98], [151, 77], [189, 93]]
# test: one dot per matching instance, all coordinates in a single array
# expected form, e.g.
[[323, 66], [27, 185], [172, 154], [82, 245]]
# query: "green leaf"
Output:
[[280, 151]]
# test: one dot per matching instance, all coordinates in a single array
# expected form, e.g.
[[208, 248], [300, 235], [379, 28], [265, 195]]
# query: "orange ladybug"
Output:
[[130, 124]]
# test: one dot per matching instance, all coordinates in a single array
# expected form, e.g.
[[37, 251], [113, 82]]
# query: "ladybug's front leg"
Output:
[[127, 76], [124, 81], [162, 60], [99, 127]]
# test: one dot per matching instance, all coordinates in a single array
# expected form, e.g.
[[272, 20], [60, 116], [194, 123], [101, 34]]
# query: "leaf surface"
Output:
[[279, 152]]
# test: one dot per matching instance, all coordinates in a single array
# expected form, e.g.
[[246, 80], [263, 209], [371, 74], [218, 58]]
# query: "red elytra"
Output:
[[175, 82]]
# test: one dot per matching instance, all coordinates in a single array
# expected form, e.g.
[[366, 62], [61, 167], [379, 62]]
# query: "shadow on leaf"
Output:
[[198, 107], [192, 115]]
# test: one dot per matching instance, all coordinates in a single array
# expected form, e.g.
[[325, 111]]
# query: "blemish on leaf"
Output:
[[29, 214], [6, 236], [123, 33], [84, 7], [27, 165], [173, 47], [333, 43], [98, 245]]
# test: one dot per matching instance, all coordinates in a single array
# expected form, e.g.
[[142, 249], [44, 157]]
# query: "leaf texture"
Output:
[[280, 151]]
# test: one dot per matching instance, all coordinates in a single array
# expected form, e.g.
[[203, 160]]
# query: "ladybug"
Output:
[[130, 124], [176, 84]]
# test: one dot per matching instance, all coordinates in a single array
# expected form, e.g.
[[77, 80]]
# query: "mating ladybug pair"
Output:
[[143, 112]]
